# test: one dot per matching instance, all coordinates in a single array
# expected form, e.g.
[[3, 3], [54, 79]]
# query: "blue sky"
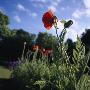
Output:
[[27, 14]]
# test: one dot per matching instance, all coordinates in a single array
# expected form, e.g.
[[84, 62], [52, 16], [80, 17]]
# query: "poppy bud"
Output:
[[68, 24]]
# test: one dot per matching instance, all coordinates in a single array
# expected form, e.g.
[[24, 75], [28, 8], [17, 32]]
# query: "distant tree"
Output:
[[4, 21], [12, 46], [22, 35], [71, 46], [45, 40], [12, 41], [86, 37], [13, 32]]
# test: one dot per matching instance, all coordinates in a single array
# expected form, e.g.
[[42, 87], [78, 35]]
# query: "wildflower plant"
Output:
[[61, 74]]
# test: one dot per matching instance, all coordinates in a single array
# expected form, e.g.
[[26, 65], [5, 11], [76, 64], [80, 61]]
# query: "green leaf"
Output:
[[75, 55], [63, 21], [41, 83], [78, 44]]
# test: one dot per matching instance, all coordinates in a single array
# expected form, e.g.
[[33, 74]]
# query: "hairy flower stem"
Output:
[[56, 28], [23, 51]]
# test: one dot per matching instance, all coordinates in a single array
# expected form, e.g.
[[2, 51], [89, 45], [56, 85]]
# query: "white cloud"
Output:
[[77, 14], [38, 5], [17, 19], [87, 7], [53, 8], [54, 3], [2, 10], [21, 7], [73, 1], [33, 14], [72, 31], [44, 1], [49, 4], [38, 1], [80, 13], [87, 12], [87, 3], [62, 8]]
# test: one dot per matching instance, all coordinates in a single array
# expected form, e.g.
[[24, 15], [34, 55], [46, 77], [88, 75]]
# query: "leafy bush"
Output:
[[60, 75], [30, 72]]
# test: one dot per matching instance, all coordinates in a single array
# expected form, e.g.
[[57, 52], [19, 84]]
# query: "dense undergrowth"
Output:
[[58, 75]]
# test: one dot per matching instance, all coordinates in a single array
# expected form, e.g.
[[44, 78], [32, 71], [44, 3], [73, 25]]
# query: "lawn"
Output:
[[6, 83], [4, 72]]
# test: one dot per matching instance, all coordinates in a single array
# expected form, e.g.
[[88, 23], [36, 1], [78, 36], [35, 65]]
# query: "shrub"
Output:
[[30, 72], [61, 74]]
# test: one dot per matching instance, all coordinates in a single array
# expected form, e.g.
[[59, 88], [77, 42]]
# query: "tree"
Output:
[[71, 46], [4, 21], [12, 41], [12, 46], [45, 40], [85, 38]]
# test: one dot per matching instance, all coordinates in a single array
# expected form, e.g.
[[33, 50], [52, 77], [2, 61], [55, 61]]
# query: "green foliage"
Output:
[[4, 21], [39, 74], [85, 39], [63, 21], [70, 45], [60, 49], [61, 74], [84, 83], [11, 46], [45, 40], [23, 36], [79, 58], [31, 73], [4, 72]]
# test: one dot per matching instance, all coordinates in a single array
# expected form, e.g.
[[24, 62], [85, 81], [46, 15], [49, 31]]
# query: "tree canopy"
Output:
[[45, 40]]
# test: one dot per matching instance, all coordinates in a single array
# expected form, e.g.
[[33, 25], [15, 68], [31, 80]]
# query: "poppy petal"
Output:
[[48, 19]]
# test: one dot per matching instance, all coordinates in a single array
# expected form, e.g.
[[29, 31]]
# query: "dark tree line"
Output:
[[11, 47], [71, 46], [12, 41], [86, 40]]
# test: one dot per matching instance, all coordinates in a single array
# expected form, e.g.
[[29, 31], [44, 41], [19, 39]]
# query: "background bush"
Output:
[[61, 74]]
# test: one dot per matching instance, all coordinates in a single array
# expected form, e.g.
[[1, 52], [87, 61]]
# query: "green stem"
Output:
[[23, 50]]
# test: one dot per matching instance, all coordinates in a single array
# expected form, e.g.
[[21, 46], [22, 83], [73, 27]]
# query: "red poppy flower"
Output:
[[48, 19], [35, 47]]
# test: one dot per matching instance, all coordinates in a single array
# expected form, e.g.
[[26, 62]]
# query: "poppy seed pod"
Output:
[[68, 24]]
